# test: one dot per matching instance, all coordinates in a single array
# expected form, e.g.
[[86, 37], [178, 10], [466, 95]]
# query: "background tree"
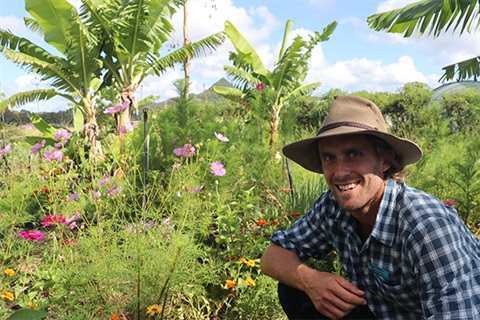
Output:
[[272, 89], [435, 17], [74, 75], [133, 34]]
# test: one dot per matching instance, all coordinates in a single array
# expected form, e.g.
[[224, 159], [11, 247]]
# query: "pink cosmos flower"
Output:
[[187, 151], [96, 194], [52, 219], [104, 180], [217, 169], [117, 108], [113, 191], [56, 155], [31, 235], [200, 187], [260, 86], [38, 146], [63, 136], [74, 196], [5, 150], [221, 137], [177, 165], [127, 127]]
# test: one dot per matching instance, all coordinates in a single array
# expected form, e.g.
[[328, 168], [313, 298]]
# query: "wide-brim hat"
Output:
[[351, 115]]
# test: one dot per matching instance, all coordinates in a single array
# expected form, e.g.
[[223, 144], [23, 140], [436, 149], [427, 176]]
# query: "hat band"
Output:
[[346, 124]]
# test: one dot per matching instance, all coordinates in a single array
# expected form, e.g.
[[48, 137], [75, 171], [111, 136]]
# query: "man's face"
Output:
[[354, 172]]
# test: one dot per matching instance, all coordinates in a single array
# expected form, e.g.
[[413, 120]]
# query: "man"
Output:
[[406, 254]]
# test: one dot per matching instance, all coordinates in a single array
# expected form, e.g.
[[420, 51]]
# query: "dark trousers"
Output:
[[297, 305]]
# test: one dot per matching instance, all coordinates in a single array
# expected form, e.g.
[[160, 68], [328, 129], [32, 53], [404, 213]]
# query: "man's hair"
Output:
[[396, 170]]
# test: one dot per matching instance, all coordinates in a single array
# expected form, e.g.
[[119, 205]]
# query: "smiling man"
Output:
[[406, 254]]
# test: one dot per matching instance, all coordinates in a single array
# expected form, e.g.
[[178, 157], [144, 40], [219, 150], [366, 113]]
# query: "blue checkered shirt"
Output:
[[419, 262]]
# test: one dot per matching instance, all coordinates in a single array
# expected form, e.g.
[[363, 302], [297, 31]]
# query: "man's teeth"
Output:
[[347, 187]]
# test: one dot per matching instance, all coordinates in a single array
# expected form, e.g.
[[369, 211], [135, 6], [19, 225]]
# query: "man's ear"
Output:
[[388, 160]]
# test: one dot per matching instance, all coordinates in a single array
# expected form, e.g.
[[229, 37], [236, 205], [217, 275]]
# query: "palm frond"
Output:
[[23, 98], [233, 94], [466, 69], [432, 16]]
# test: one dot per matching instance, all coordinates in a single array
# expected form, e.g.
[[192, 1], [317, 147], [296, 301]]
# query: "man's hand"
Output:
[[332, 295]]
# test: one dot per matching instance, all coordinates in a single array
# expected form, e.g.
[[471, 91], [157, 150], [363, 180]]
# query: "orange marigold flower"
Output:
[[114, 317], [250, 282], [9, 272], [8, 296], [296, 214], [230, 284], [262, 223], [242, 260]]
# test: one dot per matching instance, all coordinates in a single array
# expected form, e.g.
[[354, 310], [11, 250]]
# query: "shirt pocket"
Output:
[[400, 291]]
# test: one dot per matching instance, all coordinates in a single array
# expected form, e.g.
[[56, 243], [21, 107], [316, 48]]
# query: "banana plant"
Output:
[[282, 84], [435, 17], [73, 75]]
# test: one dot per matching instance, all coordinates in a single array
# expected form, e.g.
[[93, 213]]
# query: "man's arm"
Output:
[[332, 295]]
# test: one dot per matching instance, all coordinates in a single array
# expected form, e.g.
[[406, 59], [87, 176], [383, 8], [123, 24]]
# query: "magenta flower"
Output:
[[217, 169], [113, 190], [31, 235], [117, 108], [200, 187], [260, 86], [221, 137], [52, 219], [5, 150], [63, 136], [187, 151], [38, 146], [56, 155]]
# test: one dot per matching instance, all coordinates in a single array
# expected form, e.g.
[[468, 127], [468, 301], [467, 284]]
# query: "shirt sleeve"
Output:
[[448, 269], [308, 236]]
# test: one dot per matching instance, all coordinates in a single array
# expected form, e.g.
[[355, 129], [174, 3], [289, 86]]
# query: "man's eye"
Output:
[[354, 154]]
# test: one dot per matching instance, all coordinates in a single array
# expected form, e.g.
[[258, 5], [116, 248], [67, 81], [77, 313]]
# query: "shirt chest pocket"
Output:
[[397, 290]]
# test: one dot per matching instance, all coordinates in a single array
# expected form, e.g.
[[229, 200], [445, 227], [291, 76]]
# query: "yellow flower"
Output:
[[34, 305], [250, 263], [9, 272], [230, 284], [250, 282], [154, 309], [242, 260], [7, 296]]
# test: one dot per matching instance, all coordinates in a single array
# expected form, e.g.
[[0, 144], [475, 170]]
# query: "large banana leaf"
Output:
[[244, 48], [54, 18]]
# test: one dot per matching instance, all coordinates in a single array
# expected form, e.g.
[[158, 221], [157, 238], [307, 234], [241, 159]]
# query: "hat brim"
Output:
[[305, 152]]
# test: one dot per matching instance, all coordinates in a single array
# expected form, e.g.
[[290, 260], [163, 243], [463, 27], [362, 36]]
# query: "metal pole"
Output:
[[146, 151]]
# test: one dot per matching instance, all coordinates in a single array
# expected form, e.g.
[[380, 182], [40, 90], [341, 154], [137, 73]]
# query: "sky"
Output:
[[355, 58]]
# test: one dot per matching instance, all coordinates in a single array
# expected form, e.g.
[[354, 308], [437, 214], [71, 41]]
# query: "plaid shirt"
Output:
[[420, 261]]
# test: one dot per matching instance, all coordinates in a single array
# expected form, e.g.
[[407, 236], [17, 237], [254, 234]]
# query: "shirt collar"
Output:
[[386, 222]]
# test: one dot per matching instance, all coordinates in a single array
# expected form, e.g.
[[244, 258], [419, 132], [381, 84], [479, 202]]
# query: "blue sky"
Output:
[[355, 58]]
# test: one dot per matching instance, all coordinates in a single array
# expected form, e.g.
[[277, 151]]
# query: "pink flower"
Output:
[[217, 169], [63, 136], [200, 187], [38, 146], [5, 150], [127, 127], [117, 108], [31, 235], [71, 221], [449, 203], [187, 151], [56, 155], [221, 137], [260, 86], [96, 194], [112, 191], [177, 165], [104, 180], [52, 219], [74, 196]]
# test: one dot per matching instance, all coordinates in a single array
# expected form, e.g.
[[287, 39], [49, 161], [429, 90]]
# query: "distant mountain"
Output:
[[207, 96]]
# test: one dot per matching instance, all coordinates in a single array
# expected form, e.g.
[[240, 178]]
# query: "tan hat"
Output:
[[351, 115]]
